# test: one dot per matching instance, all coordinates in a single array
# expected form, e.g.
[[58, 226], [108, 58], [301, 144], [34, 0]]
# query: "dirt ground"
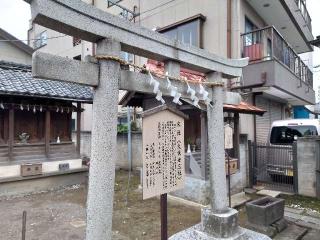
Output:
[[60, 214]]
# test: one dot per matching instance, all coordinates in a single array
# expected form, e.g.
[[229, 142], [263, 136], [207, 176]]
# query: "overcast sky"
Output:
[[15, 15]]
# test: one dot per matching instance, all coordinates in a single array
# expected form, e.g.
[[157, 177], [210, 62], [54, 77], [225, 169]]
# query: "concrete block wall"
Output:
[[307, 158], [239, 180], [122, 148]]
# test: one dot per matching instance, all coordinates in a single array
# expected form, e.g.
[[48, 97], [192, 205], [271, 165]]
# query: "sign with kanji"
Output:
[[163, 151], [228, 137]]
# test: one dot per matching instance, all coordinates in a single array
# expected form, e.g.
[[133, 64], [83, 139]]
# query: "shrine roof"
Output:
[[16, 79], [135, 99], [162, 108], [243, 107]]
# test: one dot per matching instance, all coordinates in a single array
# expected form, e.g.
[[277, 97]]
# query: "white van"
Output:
[[285, 132], [282, 135]]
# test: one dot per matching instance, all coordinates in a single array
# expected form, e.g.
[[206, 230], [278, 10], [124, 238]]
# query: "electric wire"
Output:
[[34, 39]]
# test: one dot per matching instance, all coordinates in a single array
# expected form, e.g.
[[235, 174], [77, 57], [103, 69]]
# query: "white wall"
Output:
[[11, 53]]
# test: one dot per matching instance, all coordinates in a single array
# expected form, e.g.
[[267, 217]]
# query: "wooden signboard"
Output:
[[228, 137], [163, 151]]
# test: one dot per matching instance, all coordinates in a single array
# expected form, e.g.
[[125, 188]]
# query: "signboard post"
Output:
[[228, 144], [163, 156]]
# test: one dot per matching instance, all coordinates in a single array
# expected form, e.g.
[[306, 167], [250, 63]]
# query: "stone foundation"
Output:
[[218, 226]]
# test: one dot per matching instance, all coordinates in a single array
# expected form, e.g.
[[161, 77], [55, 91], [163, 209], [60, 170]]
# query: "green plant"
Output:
[[189, 141], [122, 128]]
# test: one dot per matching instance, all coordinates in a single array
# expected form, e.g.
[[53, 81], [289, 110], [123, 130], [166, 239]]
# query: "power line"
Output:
[[161, 5], [35, 39]]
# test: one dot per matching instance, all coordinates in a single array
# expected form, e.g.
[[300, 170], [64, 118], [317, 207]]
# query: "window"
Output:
[[250, 38], [128, 57], [41, 40], [73, 124], [110, 4], [187, 32], [76, 41], [288, 134]]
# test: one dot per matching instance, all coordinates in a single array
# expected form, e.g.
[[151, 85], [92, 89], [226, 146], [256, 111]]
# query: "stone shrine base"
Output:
[[215, 226], [196, 233]]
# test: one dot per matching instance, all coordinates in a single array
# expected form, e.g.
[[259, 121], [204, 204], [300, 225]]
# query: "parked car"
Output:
[[282, 135]]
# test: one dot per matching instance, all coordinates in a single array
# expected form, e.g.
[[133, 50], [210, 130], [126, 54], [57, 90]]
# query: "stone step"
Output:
[[239, 199], [312, 235], [292, 232]]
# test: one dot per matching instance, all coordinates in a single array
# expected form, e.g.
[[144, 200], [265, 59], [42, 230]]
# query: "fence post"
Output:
[[295, 167], [251, 170], [317, 143]]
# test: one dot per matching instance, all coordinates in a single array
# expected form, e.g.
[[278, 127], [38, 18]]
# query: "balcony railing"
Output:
[[304, 11], [268, 44]]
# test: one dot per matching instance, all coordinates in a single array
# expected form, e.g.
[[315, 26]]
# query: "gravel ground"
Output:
[[60, 214]]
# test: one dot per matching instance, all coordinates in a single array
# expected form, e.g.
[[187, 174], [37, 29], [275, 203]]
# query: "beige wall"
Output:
[[11, 53], [214, 28]]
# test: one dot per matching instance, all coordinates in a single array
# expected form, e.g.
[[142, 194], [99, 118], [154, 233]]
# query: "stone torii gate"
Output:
[[112, 35]]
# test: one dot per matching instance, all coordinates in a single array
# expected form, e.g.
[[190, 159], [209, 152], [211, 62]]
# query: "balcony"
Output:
[[290, 17], [304, 11], [275, 68]]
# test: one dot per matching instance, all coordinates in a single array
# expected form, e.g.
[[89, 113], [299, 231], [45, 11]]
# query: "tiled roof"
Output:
[[16, 79], [243, 107], [158, 67]]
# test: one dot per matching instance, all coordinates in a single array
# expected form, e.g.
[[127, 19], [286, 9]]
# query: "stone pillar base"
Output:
[[215, 226], [220, 225]]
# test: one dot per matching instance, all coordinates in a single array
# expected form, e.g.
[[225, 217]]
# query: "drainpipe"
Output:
[[93, 44], [254, 119], [235, 29], [129, 138], [235, 38]]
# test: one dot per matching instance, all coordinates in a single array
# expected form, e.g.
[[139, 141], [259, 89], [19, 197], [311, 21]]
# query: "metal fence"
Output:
[[273, 166], [268, 44]]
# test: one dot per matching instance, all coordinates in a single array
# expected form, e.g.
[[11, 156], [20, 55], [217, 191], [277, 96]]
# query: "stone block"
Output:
[[220, 225], [270, 231], [265, 211], [280, 225]]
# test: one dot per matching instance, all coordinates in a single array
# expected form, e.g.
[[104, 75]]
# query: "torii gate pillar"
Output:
[[103, 145]]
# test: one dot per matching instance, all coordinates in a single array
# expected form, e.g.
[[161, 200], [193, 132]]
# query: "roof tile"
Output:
[[17, 79]]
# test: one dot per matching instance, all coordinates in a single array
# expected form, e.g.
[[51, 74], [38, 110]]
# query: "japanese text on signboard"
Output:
[[163, 156]]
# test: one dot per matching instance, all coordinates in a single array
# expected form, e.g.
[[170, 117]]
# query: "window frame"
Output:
[[42, 41], [250, 39], [199, 19], [110, 4]]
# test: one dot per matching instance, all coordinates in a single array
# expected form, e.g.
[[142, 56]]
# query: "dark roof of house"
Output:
[[17, 80], [7, 36]]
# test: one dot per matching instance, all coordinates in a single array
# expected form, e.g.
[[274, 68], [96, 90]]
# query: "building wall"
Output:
[[11, 53]]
